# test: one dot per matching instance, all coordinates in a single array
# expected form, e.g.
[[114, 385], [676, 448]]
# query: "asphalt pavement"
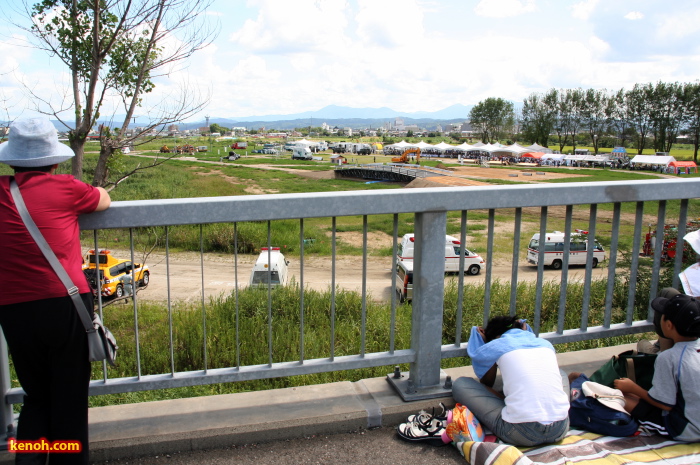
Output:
[[379, 446]]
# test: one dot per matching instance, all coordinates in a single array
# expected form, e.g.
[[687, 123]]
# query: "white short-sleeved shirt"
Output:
[[533, 387]]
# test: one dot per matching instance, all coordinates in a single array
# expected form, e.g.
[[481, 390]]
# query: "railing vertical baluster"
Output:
[[333, 255], [394, 252], [204, 309], [428, 299], [236, 296], [540, 268], [136, 316], [363, 329], [561, 313], [678, 261], [489, 262], [638, 220], [516, 261], [612, 264], [658, 251], [301, 290], [6, 413], [588, 275], [460, 279], [269, 294], [99, 296], [170, 307]]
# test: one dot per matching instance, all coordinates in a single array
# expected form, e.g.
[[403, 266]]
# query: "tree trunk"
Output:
[[78, 147], [101, 170]]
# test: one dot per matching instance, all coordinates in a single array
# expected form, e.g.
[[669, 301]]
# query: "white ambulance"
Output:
[[270, 267], [554, 249], [473, 263]]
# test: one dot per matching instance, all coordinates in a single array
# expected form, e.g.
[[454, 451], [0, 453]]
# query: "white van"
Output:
[[404, 280], [301, 152], [473, 263], [554, 249], [270, 267]]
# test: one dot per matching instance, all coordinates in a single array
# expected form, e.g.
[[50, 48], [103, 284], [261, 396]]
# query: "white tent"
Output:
[[423, 145], [553, 156], [652, 160], [519, 149], [538, 148], [445, 146], [402, 145], [592, 158], [466, 147]]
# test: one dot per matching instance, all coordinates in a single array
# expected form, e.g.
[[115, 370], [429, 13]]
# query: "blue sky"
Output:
[[284, 56]]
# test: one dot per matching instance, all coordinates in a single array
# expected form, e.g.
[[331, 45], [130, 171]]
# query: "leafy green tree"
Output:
[[409, 133], [568, 118], [594, 114], [639, 107], [492, 118], [667, 114], [691, 92], [538, 117], [116, 48]]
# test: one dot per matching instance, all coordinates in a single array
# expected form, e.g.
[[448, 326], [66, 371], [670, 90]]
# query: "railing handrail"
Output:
[[170, 212]]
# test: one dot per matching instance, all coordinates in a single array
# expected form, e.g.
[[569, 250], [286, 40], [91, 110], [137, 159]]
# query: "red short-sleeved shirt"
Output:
[[55, 202]]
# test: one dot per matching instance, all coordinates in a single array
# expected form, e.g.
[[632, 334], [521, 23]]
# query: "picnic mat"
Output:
[[581, 447]]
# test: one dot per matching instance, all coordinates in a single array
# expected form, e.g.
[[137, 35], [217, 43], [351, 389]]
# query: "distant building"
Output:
[[399, 124], [204, 130], [347, 131], [173, 128]]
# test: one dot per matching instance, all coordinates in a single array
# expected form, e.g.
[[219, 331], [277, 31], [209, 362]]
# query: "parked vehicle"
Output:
[[473, 263], [270, 267], [404, 280], [239, 145], [554, 249], [202, 148], [669, 242], [301, 152], [108, 270]]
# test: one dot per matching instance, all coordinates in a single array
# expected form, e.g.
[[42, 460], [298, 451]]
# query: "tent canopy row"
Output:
[[479, 146]]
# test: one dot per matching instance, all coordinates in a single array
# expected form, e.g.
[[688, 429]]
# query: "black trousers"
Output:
[[48, 346]]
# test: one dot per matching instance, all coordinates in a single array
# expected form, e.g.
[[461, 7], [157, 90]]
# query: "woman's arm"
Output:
[[105, 200], [490, 377]]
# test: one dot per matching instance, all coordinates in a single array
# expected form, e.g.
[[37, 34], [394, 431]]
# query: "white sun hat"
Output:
[[33, 142], [607, 396]]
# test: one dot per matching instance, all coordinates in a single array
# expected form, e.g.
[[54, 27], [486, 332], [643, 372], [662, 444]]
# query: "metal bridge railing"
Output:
[[430, 208]]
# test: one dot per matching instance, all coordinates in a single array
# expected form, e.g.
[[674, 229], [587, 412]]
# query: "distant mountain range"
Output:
[[333, 115], [342, 117]]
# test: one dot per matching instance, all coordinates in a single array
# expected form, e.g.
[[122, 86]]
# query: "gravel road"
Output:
[[216, 274]]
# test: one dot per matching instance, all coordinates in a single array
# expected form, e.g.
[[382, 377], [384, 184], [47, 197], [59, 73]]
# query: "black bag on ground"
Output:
[[638, 367], [587, 413]]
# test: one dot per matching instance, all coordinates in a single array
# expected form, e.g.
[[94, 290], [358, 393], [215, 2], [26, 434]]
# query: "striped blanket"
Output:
[[583, 448]]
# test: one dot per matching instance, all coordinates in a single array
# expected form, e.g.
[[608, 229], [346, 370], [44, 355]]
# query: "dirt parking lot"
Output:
[[215, 274]]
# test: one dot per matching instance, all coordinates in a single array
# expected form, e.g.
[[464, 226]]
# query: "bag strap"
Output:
[[51, 257], [629, 363]]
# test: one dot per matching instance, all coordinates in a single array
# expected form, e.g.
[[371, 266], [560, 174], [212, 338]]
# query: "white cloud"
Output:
[[584, 9], [680, 25], [298, 26], [404, 26], [504, 8], [634, 15]]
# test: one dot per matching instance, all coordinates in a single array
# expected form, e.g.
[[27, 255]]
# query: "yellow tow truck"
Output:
[[111, 272]]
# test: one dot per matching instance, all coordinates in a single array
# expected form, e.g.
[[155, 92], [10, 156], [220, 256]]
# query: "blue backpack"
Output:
[[589, 414]]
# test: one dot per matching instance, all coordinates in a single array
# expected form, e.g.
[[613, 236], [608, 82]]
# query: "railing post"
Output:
[[7, 427], [425, 378]]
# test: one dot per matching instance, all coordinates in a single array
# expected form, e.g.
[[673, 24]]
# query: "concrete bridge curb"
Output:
[[166, 427]]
